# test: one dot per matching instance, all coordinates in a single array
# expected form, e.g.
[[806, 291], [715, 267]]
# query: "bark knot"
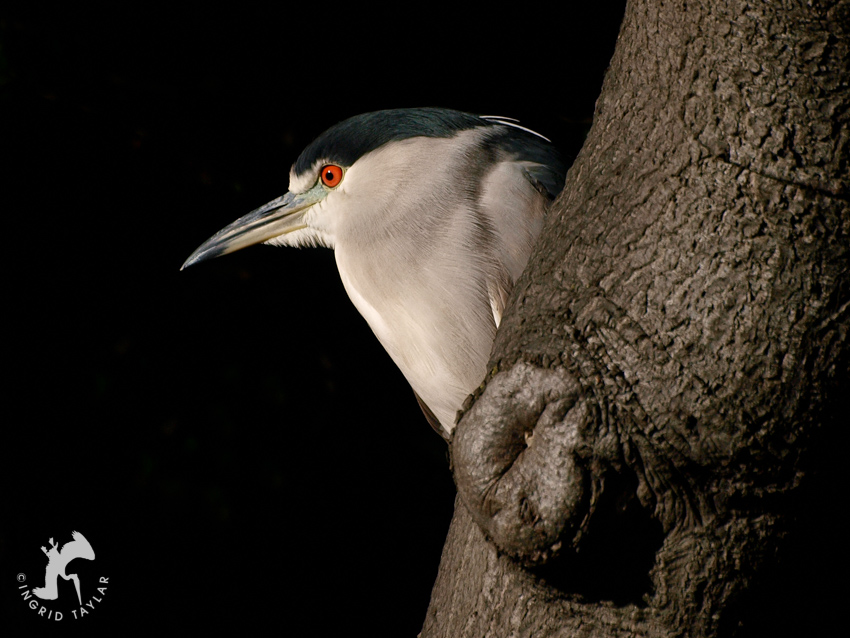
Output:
[[517, 458]]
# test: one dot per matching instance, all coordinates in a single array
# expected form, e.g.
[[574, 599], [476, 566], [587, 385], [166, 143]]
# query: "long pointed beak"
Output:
[[280, 216]]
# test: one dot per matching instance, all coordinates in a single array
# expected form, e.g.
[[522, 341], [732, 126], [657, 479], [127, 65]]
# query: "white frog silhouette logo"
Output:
[[57, 560]]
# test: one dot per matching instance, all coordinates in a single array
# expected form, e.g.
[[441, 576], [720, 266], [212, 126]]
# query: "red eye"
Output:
[[331, 175]]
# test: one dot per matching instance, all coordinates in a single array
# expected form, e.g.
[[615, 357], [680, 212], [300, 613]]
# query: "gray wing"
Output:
[[433, 420], [516, 194]]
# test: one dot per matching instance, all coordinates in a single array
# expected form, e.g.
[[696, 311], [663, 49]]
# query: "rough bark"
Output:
[[675, 346]]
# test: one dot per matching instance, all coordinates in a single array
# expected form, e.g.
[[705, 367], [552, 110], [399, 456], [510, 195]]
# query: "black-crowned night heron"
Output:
[[432, 214]]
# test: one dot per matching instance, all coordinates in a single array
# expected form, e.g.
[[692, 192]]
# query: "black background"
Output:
[[232, 440]]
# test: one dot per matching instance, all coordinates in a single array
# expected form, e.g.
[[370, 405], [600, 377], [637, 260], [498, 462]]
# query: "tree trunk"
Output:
[[664, 380]]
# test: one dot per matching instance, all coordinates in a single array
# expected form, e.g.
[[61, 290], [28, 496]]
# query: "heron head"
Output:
[[382, 169]]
